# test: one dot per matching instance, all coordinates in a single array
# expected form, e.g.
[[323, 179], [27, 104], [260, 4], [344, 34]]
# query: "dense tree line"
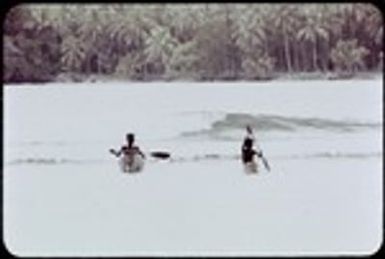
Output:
[[190, 41]]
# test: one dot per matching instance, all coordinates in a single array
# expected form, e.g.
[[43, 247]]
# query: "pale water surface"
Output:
[[64, 195]]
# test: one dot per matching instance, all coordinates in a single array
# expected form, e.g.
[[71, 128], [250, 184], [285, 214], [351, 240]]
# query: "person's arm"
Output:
[[259, 154], [116, 153], [257, 147], [141, 153]]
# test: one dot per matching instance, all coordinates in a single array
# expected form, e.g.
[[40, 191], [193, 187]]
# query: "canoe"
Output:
[[131, 163]]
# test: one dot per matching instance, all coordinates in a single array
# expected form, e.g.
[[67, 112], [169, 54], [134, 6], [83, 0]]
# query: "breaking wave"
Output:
[[264, 122]]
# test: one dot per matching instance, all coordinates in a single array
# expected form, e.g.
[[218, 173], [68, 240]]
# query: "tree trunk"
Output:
[[228, 41], [307, 58], [287, 52], [296, 58], [325, 55], [315, 67]]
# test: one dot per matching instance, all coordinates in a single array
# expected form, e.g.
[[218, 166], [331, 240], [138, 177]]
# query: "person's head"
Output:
[[130, 139], [248, 129]]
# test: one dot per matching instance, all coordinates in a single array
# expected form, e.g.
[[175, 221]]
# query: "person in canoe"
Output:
[[131, 157], [248, 153]]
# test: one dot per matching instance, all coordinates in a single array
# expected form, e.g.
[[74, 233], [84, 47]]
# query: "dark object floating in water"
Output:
[[160, 154]]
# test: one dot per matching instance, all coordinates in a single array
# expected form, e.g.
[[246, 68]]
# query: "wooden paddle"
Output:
[[155, 154], [264, 161]]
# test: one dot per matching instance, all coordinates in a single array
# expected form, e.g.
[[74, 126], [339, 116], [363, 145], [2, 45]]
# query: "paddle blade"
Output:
[[265, 163], [160, 154]]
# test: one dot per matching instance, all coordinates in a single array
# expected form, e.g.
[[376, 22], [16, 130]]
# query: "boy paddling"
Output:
[[129, 162], [248, 153]]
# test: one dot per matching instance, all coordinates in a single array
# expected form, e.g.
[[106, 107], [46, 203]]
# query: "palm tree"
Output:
[[286, 20], [183, 63], [374, 30], [354, 15], [347, 56], [159, 46], [250, 28], [126, 30], [251, 38], [183, 21], [73, 53], [312, 32], [90, 34], [129, 66], [18, 20]]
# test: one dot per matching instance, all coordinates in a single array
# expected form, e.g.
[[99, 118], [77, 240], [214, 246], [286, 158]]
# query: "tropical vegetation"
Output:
[[41, 42]]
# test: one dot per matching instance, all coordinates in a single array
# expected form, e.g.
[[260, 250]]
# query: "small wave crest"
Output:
[[264, 122], [333, 155], [198, 158], [326, 155], [51, 161]]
